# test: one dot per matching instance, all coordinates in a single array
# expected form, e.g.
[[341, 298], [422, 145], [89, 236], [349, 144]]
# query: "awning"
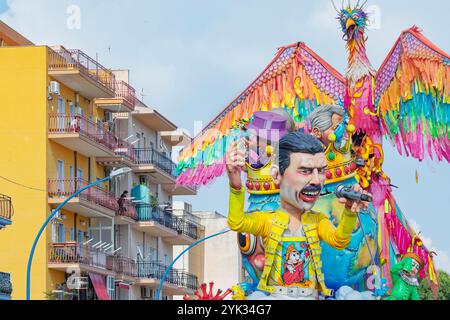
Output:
[[99, 284], [123, 285]]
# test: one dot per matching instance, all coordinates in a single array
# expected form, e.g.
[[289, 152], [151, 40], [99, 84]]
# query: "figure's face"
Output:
[[303, 180], [294, 257], [415, 268], [336, 120], [352, 22]]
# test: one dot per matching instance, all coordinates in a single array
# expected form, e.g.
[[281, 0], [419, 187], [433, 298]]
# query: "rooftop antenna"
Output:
[[142, 94]]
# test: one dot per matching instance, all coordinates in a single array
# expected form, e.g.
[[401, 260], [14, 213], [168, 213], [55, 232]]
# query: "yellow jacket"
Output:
[[271, 226]]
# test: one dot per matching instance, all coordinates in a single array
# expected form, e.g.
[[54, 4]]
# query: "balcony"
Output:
[[94, 202], [124, 156], [125, 267], [173, 229], [6, 211], [5, 286], [72, 255], [176, 138], [180, 190], [187, 232], [155, 221], [123, 101], [177, 282], [160, 167], [81, 134], [81, 73], [126, 213]]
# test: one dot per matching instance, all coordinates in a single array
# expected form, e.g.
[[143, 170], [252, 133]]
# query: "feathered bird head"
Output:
[[353, 21]]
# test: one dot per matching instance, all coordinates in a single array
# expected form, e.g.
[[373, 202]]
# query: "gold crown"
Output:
[[259, 181], [341, 164]]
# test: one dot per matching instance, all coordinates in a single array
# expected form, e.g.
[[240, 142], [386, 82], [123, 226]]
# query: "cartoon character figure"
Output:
[[300, 173], [293, 267]]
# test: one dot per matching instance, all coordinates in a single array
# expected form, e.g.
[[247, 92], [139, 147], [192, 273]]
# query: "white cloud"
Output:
[[442, 258]]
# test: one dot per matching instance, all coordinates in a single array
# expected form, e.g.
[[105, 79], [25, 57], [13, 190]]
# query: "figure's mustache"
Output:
[[311, 188]]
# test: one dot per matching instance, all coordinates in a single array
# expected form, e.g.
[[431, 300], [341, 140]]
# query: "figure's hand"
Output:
[[356, 206], [235, 161]]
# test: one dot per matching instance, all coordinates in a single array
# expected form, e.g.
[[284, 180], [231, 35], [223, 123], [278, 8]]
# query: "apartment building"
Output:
[[219, 259], [68, 122]]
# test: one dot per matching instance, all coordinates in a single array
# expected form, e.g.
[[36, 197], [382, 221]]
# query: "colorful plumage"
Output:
[[407, 100]]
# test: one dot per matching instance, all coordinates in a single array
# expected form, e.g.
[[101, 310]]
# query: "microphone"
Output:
[[346, 192]]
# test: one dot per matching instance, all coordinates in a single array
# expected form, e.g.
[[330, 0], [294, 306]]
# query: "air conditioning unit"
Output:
[[54, 87]]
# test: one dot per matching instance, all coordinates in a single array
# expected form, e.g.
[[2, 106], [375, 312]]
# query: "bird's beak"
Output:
[[350, 22]]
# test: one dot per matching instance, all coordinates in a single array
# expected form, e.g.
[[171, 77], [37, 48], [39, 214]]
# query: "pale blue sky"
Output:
[[193, 57]]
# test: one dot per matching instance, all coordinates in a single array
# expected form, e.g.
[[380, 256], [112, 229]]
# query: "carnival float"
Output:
[[406, 100]]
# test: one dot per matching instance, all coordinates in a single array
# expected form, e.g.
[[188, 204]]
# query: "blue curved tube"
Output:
[[158, 293], [50, 217]]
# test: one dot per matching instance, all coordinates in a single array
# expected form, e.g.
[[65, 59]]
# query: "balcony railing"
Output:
[[155, 270], [6, 208], [127, 209], [62, 188], [125, 266], [62, 59], [126, 92], [126, 150], [187, 228], [66, 124], [146, 212], [70, 253], [148, 156]]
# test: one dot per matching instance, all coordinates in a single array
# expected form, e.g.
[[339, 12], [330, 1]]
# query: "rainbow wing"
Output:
[[296, 79], [413, 97]]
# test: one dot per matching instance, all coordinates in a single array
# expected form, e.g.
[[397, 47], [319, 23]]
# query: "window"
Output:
[[72, 110], [143, 180], [111, 287], [61, 114], [80, 236], [60, 176], [54, 232], [80, 174], [61, 233]]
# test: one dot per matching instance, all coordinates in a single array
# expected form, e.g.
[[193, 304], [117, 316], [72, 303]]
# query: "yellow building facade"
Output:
[[56, 136], [32, 159]]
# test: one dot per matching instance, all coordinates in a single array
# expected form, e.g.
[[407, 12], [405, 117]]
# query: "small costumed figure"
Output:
[[293, 266], [404, 278]]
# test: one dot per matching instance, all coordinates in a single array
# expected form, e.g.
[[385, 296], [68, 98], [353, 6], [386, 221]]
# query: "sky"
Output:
[[189, 59]]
